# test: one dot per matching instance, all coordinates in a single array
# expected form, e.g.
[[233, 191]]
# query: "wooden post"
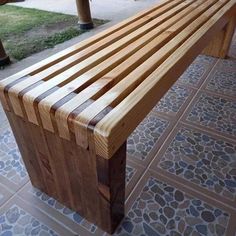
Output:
[[85, 20], [78, 178], [219, 46], [4, 59]]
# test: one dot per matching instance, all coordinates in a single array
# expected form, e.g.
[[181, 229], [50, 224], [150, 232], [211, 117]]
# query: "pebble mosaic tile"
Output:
[[16, 221], [75, 217], [173, 100], [11, 164], [215, 113], [229, 64], [223, 82], [161, 209], [203, 160], [71, 215], [146, 135], [196, 71], [130, 172]]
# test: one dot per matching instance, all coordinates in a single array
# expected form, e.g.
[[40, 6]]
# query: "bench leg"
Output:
[[219, 46], [78, 178]]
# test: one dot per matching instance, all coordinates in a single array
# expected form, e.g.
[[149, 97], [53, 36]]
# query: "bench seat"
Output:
[[94, 94]]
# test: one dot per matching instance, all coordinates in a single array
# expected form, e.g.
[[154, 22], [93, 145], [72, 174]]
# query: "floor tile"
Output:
[[222, 82], [160, 208], [12, 170], [202, 160], [133, 174], [68, 217], [5, 194], [226, 64], [214, 113], [197, 71], [62, 214], [147, 137], [19, 218], [3, 120], [174, 101]]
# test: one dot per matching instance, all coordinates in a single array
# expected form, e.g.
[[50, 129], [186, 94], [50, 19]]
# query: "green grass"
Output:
[[26, 31]]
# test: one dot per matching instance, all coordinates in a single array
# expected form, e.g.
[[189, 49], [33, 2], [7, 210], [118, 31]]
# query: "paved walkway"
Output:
[[114, 10]]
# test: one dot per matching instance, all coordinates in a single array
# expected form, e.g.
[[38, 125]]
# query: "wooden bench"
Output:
[[73, 112]]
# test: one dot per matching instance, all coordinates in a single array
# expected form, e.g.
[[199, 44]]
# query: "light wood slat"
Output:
[[100, 86], [81, 45], [46, 104], [94, 73], [76, 48], [86, 51], [123, 88], [106, 65], [119, 123]]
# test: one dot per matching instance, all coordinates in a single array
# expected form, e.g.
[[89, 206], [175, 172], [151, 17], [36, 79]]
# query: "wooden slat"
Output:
[[89, 77], [118, 124], [108, 69], [75, 48], [123, 88], [83, 53], [114, 76]]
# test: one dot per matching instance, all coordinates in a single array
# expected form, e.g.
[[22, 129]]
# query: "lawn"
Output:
[[26, 31]]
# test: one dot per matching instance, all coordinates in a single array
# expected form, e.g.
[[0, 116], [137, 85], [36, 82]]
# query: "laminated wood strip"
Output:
[[89, 77], [83, 61], [120, 122], [115, 95], [80, 46], [108, 80], [85, 52]]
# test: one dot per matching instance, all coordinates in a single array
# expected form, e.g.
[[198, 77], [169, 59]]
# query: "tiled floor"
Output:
[[181, 168]]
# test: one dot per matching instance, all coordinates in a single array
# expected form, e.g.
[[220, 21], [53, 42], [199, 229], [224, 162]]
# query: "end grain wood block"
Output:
[[73, 112]]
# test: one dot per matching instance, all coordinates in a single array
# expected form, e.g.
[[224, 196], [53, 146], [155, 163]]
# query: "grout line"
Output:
[[176, 123], [13, 194], [210, 131], [146, 169]]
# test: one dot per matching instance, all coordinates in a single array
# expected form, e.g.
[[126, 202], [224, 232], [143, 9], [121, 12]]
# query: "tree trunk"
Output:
[[85, 20], [4, 59]]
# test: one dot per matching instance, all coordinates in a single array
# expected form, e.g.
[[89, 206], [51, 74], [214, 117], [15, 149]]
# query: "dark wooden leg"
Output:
[[111, 186], [219, 46], [76, 177]]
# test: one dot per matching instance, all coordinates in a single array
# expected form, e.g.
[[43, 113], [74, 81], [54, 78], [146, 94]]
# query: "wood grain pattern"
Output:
[[219, 46], [109, 67], [72, 113]]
